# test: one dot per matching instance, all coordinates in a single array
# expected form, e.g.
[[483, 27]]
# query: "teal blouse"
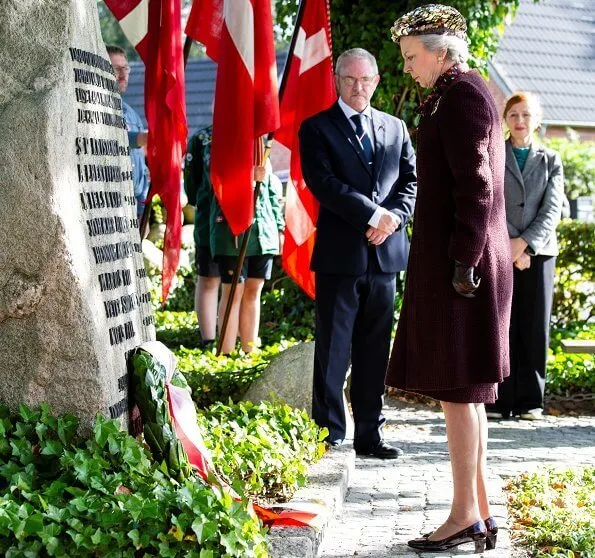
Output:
[[521, 154]]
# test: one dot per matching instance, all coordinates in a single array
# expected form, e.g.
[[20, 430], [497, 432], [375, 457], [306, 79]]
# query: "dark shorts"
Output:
[[255, 267], [205, 266]]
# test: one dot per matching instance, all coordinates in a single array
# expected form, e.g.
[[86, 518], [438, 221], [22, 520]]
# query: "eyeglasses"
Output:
[[123, 69], [350, 81]]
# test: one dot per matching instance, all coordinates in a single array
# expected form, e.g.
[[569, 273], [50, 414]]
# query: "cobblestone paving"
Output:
[[390, 502]]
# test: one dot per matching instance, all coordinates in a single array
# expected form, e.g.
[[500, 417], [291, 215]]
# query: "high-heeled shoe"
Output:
[[491, 533], [474, 533]]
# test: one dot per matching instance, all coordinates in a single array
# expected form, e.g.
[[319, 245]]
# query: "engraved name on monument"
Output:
[[109, 207]]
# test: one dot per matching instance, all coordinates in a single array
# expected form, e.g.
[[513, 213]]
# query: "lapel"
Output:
[[340, 120], [512, 165], [379, 139], [533, 161]]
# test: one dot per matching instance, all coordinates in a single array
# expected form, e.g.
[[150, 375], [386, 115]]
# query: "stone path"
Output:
[[390, 502]]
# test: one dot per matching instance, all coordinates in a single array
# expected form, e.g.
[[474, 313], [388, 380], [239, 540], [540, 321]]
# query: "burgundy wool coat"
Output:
[[445, 341]]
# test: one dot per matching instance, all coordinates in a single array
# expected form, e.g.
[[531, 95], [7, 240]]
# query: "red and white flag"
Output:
[[309, 89], [154, 28], [238, 36]]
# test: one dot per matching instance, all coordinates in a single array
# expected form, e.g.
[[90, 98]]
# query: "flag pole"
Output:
[[187, 46], [298, 22], [260, 159]]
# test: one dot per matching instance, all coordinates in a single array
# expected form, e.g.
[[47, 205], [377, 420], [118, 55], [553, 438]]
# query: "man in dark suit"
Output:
[[360, 165]]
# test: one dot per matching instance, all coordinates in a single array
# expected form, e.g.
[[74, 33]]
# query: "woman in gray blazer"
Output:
[[534, 194]]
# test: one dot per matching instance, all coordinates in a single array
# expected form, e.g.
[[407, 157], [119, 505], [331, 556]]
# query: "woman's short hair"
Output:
[[456, 48], [356, 53], [524, 97]]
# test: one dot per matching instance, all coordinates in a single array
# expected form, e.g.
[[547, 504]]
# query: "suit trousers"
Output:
[[354, 319], [532, 299]]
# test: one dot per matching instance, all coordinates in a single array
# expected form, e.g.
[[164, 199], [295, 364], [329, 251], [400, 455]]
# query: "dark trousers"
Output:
[[354, 318], [529, 337]]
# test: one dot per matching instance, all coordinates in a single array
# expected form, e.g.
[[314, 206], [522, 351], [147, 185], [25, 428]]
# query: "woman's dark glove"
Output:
[[464, 280]]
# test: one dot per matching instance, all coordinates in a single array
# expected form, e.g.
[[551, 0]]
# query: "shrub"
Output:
[[569, 374], [181, 298], [267, 446], [177, 328], [60, 496], [181, 294], [554, 511], [578, 161], [571, 330], [574, 291]]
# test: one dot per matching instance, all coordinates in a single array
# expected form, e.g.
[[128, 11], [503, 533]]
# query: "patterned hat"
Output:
[[431, 19]]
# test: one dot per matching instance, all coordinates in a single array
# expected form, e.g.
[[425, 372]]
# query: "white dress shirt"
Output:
[[367, 124]]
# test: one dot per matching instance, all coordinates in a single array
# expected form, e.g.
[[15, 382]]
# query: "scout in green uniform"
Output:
[[198, 189], [264, 243]]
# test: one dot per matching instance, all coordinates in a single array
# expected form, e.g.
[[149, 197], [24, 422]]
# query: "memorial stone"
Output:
[[287, 378], [74, 295]]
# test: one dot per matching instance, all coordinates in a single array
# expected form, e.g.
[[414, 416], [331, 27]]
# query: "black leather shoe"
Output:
[[492, 533], [335, 443], [382, 451], [474, 533]]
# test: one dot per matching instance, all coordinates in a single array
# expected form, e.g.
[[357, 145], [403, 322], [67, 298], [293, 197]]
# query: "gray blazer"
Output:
[[534, 199]]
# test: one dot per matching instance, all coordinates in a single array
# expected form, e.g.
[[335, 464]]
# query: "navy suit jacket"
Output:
[[335, 170]]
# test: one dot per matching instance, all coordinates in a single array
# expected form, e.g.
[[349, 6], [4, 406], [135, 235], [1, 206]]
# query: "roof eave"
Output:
[[499, 79]]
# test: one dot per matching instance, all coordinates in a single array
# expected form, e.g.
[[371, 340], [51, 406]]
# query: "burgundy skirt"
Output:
[[475, 393]]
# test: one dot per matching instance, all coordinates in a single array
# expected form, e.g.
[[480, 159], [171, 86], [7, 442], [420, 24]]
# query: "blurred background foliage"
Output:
[[367, 23]]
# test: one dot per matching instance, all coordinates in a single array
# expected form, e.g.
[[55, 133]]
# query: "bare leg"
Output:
[[462, 431], [231, 332], [250, 313], [482, 492], [205, 304]]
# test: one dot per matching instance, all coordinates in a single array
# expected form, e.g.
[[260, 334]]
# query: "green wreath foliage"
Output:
[[150, 394]]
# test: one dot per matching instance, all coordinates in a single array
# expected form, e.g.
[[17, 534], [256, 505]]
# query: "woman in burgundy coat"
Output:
[[452, 337]]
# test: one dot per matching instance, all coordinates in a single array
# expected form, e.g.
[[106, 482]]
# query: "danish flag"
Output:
[[238, 36], [154, 28], [309, 88]]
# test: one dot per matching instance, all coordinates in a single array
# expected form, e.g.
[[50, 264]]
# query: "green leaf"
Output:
[[54, 547], [51, 447], [134, 536], [28, 414], [33, 525]]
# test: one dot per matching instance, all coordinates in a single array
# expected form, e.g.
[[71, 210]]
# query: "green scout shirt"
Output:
[[210, 226], [197, 184]]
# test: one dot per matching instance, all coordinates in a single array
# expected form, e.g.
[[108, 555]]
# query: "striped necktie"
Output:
[[363, 137]]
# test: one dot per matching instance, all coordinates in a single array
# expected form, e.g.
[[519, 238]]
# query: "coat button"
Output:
[[521, 205]]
